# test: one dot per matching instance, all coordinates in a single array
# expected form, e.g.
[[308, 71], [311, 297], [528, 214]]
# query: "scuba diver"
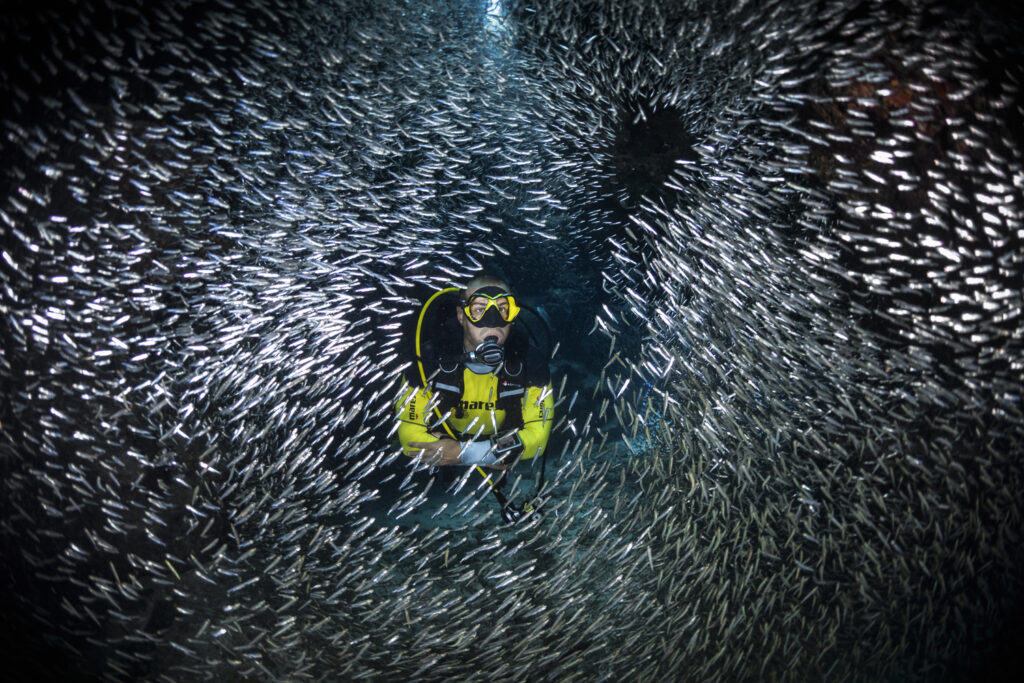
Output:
[[479, 394]]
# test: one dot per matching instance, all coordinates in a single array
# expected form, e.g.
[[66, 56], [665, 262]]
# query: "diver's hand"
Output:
[[438, 453]]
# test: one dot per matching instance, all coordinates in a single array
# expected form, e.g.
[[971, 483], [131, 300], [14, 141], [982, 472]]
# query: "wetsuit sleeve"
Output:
[[538, 416], [411, 409]]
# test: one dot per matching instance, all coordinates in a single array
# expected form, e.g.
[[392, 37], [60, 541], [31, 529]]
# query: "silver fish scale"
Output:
[[791, 228]]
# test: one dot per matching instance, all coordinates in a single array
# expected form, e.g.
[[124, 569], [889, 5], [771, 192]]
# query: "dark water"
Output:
[[779, 246]]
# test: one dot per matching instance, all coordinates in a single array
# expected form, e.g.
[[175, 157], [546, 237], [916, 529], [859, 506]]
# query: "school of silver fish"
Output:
[[792, 228]]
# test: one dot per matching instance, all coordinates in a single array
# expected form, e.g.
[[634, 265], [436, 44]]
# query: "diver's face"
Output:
[[473, 336]]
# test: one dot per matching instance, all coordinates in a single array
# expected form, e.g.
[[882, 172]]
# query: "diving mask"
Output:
[[491, 307]]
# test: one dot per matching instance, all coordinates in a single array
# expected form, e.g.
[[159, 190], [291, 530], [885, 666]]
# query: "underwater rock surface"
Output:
[[785, 239]]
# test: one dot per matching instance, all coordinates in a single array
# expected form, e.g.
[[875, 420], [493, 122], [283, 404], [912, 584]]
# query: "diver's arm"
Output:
[[538, 416], [412, 408], [433, 448], [437, 453]]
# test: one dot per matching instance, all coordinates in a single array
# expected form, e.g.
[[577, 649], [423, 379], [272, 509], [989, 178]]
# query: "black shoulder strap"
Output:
[[510, 399], [525, 366], [444, 374], [449, 384]]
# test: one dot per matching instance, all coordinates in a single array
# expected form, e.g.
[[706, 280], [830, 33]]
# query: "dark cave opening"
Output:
[[647, 148]]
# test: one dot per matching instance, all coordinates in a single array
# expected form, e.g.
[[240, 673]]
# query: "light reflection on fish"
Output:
[[792, 229]]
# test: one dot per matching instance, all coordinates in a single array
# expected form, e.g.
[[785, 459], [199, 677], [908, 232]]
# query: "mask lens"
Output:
[[479, 303]]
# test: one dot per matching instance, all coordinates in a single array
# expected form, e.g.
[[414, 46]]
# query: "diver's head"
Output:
[[487, 309]]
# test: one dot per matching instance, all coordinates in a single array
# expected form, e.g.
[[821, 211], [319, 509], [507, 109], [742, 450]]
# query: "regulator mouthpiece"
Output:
[[489, 352]]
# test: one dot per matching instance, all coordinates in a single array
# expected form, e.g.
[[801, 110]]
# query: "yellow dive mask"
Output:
[[478, 307]]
